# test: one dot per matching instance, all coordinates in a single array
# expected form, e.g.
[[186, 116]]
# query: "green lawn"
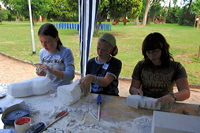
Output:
[[184, 41]]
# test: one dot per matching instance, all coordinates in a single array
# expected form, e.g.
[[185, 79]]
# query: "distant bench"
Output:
[[75, 26]]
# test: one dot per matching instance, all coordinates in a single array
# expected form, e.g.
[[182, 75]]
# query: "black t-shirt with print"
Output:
[[112, 66], [158, 81]]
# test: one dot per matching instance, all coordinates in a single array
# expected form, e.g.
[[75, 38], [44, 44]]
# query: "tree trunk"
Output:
[[148, 20], [17, 18], [33, 18], [136, 21], [146, 13], [190, 4], [116, 21]]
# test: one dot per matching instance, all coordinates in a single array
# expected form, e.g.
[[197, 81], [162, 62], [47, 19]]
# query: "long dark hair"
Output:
[[48, 29], [157, 41]]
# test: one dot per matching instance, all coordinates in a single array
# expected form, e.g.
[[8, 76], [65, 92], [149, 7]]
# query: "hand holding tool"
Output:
[[99, 105]]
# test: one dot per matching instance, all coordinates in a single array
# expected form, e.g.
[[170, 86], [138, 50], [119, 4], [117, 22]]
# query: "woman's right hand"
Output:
[[136, 91], [86, 83], [40, 72]]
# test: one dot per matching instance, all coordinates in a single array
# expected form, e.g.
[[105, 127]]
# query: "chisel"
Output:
[[99, 105]]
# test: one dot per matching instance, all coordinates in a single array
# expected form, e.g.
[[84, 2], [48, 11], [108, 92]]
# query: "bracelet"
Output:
[[96, 80], [174, 96]]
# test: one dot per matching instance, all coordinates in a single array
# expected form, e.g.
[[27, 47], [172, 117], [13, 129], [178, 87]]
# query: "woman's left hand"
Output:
[[166, 102]]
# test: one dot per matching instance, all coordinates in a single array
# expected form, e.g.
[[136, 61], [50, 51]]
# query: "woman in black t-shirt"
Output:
[[156, 75]]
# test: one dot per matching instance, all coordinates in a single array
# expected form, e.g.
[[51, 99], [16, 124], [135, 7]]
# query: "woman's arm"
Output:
[[69, 72], [105, 81], [183, 89], [101, 81], [182, 94], [135, 88], [57, 73]]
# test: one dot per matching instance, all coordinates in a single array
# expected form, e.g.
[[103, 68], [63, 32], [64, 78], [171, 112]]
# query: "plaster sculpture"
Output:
[[137, 101], [34, 86], [69, 94]]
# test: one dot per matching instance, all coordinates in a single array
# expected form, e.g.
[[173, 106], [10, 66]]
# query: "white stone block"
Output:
[[34, 86], [150, 103], [153, 103], [164, 122], [142, 102], [137, 101], [133, 101], [69, 94]]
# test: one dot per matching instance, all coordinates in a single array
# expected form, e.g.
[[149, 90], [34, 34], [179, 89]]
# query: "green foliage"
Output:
[[142, 10], [4, 14], [1, 15], [120, 8], [51, 20], [155, 11], [173, 14], [196, 7], [40, 7], [21, 8], [103, 11], [55, 9], [136, 9], [73, 6], [58, 10], [115, 9], [96, 35], [102, 14], [186, 17]]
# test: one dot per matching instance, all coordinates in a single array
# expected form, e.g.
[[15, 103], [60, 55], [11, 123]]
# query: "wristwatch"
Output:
[[174, 96]]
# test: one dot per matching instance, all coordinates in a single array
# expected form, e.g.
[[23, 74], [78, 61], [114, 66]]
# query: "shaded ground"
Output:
[[15, 70]]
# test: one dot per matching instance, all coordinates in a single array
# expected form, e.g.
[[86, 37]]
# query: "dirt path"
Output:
[[15, 70]]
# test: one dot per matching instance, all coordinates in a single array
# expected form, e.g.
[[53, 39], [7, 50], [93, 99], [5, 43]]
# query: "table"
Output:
[[116, 116]]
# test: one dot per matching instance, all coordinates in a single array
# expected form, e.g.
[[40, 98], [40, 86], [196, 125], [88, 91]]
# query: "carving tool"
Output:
[[63, 115], [60, 114], [33, 64], [36, 64], [99, 105]]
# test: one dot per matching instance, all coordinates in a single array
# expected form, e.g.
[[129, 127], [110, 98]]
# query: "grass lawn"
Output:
[[184, 41]]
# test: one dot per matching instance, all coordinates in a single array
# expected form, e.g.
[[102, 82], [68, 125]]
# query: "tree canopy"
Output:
[[67, 10]]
